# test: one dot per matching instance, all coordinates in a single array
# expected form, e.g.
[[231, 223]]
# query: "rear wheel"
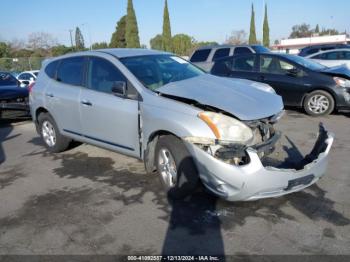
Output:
[[176, 168], [319, 103], [54, 141]]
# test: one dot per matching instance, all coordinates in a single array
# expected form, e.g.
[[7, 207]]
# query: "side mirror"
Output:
[[24, 83], [119, 89], [32, 79], [293, 72]]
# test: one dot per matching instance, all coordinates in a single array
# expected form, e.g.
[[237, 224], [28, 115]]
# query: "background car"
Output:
[[301, 82], [309, 50], [27, 77], [331, 58], [12, 96], [204, 57]]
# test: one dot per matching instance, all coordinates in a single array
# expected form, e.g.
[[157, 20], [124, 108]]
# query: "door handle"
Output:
[[49, 95], [86, 103]]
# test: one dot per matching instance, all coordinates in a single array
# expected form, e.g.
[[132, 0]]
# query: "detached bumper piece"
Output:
[[255, 180]]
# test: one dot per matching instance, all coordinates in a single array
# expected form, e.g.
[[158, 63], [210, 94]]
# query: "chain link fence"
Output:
[[21, 64]]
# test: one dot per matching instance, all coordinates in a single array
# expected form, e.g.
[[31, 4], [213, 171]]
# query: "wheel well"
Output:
[[319, 89], [148, 154], [39, 111]]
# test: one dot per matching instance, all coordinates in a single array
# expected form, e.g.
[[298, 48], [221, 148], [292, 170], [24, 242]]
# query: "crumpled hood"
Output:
[[235, 96], [337, 70]]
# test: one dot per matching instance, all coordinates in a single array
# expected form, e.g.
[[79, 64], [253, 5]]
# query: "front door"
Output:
[[108, 120]]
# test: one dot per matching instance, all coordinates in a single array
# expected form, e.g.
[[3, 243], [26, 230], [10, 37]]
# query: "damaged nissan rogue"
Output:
[[186, 125]]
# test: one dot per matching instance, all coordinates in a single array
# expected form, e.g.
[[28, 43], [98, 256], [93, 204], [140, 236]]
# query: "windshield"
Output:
[[7, 79], [305, 62], [260, 49], [155, 71]]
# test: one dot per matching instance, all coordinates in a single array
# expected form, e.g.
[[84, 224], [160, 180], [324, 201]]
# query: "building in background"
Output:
[[292, 46]]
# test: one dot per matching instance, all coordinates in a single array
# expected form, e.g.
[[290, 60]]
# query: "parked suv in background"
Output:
[[204, 57], [187, 125], [335, 57], [309, 50]]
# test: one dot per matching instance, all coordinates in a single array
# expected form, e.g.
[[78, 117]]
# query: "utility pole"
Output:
[[71, 37]]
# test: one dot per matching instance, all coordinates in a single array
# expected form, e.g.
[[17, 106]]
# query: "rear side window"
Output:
[[50, 69], [222, 67], [200, 55], [70, 71], [244, 63], [221, 53], [242, 50]]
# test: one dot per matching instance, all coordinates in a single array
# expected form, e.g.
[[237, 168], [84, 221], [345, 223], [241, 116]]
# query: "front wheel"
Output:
[[176, 168], [319, 103]]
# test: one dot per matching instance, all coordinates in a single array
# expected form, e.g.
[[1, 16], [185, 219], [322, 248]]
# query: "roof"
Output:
[[130, 52], [224, 46]]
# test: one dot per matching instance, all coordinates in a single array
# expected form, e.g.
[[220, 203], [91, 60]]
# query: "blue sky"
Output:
[[211, 20]]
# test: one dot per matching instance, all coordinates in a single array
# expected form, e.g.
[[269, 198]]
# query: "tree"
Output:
[[157, 42], [166, 29], [101, 45], [79, 39], [4, 49], [252, 35], [41, 40], [60, 50], [329, 32], [118, 38], [131, 29], [182, 44], [299, 31], [266, 30], [317, 29], [237, 38]]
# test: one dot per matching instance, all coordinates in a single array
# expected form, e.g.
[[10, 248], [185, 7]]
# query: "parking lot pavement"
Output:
[[92, 201]]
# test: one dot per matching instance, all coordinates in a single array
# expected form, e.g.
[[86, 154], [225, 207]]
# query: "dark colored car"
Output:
[[300, 81], [309, 50], [12, 96]]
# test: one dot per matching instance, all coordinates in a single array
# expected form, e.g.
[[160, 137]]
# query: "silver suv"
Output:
[[187, 125], [204, 57]]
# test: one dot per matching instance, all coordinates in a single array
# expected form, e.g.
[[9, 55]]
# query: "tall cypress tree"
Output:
[[317, 29], [131, 29], [252, 35], [266, 30], [79, 39], [118, 37], [167, 45]]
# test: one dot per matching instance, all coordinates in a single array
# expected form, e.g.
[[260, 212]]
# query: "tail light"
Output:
[[30, 87]]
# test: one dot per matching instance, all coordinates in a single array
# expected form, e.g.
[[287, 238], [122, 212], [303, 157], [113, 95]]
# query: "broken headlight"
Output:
[[227, 128]]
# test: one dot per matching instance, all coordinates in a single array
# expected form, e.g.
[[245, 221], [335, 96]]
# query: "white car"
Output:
[[28, 77], [334, 57]]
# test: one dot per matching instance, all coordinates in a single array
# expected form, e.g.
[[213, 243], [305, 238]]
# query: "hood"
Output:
[[341, 70], [12, 92], [235, 96]]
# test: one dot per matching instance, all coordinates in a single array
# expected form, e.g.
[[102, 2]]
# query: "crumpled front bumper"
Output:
[[255, 181]]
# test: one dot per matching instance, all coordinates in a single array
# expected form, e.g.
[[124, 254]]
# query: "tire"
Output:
[[319, 103], [60, 143], [180, 160]]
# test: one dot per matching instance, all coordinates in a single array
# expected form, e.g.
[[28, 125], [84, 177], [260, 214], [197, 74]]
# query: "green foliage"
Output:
[[302, 30], [317, 29], [167, 45], [329, 32], [4, 49], [101, 45], [157, 42], [118, 38], [252, 34], [266, 30], [131, 30], [182, 44], [60, 50], [79, 40], [205, 43]]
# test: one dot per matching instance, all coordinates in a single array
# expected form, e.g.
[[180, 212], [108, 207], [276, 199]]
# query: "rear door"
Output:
[[108, 120], [244, 66], [62, 94], [288, 79]]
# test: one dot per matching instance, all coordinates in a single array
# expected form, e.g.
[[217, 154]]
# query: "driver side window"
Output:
[[103, 75], [274, 65]]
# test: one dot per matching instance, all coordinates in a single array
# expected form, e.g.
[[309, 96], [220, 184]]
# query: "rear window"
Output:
[[6, 79], [70, 71], [242, 50], [222, 67], [200, 55], [50, 69], [223, 52]]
